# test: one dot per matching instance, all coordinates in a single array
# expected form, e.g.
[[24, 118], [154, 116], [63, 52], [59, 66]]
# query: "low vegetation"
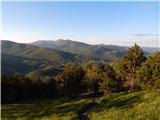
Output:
[[140, 105]]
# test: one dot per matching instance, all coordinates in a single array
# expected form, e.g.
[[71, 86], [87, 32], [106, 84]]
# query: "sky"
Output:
[[118, 23]]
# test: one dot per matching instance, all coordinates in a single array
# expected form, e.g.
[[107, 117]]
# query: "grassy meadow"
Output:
[[141, 105]]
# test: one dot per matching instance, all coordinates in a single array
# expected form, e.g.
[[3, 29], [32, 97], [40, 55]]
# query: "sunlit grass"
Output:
[[142, 105]]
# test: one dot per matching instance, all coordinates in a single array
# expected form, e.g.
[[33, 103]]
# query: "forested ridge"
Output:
[[134, 71]]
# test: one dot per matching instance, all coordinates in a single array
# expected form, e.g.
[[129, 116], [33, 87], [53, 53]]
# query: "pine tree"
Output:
[[149, 74], [108, 79], [92, 77], [129, 65], [72, 77]]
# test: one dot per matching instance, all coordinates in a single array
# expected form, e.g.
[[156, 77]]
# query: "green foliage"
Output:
[[108, 80], [93, 77], [19, 87], [72, 77], [149, 74], [128, 66]]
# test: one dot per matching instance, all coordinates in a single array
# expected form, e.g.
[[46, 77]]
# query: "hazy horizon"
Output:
[[116, 23], [82, 42]]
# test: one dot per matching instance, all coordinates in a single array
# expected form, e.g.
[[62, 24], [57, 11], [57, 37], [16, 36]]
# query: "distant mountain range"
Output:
[[38, 57], [88, 49], [104, 52], [151, 49]]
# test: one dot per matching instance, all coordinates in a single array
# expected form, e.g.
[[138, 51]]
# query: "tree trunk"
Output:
[[132, 85]]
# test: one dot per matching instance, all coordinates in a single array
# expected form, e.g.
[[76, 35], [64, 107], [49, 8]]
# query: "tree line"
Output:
[[132, 72]]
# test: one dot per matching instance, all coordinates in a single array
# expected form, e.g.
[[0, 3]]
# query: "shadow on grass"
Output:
[[63, 107], [125, 102], [120, 101], [40, 109]]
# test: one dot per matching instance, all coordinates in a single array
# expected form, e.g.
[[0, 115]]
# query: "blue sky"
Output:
[[119, 23]]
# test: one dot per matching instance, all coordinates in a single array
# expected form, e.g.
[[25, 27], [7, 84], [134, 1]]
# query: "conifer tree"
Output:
[[108, 79], [129, 65], [72, 77], [92, 76], [149, 74]]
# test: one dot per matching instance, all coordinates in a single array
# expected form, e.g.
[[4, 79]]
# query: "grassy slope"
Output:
[[133, 106], [142, 105]]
